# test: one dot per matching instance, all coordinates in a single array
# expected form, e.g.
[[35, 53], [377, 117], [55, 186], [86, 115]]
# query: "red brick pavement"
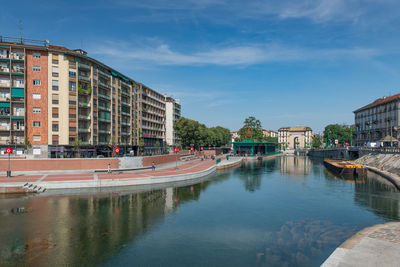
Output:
[[186, 168]]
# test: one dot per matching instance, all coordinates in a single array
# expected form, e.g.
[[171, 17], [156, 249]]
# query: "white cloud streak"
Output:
[[224, 56]]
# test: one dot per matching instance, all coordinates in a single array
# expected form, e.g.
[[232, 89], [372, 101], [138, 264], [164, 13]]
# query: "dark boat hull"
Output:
[[345, 172]]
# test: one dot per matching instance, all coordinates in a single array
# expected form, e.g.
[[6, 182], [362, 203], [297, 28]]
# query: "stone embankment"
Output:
[[374, 246], [232, 162], [386, 165]]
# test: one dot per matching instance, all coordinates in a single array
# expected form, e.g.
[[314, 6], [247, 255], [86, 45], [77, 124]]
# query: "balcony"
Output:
[[83, 78], [104, 85], [104, 120], [104, 132], [83, 66], [83, 105], [126, 93], [104, 75], [18, 84], [83, 130], [100, 95], [84, 117], [18, 99], [125, 123], [5, 128], [18, 128], [125, 103], [104, 108]]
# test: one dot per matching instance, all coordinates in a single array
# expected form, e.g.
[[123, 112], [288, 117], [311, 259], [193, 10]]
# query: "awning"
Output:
[[388, 138], [4, 104], [17, 92]]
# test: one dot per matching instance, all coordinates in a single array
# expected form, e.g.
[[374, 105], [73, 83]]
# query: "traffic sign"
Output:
[[191, 149], [176, 150], [214, 147], [9, 150], [209, 148], [117, 150], [201, 148]]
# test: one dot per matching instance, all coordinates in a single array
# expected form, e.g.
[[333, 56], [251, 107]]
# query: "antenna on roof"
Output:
[[20, 28]]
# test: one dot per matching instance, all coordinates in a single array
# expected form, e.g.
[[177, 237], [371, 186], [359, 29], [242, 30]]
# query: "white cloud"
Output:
[[224, 56]]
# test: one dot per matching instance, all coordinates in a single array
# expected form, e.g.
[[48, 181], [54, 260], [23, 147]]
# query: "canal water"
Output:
[[288, 211]]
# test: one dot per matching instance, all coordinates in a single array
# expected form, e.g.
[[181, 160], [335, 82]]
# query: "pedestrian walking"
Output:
[[109, 168], [153, 166]]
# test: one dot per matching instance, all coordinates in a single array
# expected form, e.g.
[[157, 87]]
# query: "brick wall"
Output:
[[58, 164], [147, 161], [39, 103]]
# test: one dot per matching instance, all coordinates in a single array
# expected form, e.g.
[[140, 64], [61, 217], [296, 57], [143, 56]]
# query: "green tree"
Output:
[[157, 146], [316, 141], [251, 130], [193, 132], [27, 144], [342, 133], [112, 145], [141, 142], [271, 139], [76, 146]]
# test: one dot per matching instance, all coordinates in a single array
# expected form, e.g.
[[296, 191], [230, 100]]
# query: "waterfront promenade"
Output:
[[374, 246], [85, 179]]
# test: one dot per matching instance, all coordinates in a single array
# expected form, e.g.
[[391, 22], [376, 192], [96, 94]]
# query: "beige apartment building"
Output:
[[378, 122], [172, 114], [53, 96]]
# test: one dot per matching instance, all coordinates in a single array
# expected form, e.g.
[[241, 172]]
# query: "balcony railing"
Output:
[[105, 85], [83, 130], [104, 75], [83, 105], [83, 117], [104, 131], [104, 96], [83, 66], [83, 78]]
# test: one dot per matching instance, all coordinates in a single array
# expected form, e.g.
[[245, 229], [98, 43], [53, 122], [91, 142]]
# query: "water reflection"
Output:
[[295, 166], [379, 195], [84, 230]]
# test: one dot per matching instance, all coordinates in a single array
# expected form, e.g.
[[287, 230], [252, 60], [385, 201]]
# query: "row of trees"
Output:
[[192, 132], [343, 133]]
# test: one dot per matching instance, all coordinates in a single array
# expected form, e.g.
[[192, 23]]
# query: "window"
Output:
[[54, 127], [36, 55], [55, 85], [55, 112], [54, 99], [36, 82], [36, 124], [72, 86], [72, 129], [72, 74], [36, 110], [35, 68], [55, 61], [55, 71], [37, 138], [36, 96]]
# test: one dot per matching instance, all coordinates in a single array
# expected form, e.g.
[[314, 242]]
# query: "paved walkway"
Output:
[[185, 168], [378, 245]]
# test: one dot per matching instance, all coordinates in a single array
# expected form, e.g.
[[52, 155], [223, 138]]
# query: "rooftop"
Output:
[[379, 101]]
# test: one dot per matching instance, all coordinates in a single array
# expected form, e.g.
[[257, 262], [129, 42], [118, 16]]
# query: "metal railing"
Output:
[[23, 41]]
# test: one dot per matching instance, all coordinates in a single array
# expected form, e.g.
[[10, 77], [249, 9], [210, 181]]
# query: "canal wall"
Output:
[[386, 165], [231, 163]]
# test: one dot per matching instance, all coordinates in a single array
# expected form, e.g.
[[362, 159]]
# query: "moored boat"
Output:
[[345, 168]]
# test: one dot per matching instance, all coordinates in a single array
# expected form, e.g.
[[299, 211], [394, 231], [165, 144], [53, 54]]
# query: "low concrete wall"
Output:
[[336, 153], [130, 162], [58, 164]]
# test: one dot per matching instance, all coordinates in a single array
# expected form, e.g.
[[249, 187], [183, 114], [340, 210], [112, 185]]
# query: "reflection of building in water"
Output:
[[85, 230], [295, 166], [378, 195]]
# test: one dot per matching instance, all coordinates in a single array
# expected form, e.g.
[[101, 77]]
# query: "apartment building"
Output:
[[172, 114], [151, 119], [377, 121], [53, 96], [295, 137], [269, 133]]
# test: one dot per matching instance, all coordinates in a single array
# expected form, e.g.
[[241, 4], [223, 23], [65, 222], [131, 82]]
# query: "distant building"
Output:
[[295, 137], [172, 114], [269, 133], [377, 121]]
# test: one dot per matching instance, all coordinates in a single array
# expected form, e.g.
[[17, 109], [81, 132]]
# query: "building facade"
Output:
[[172, 114], [269, 133], [295, 137], [377, 121], [57, 99]]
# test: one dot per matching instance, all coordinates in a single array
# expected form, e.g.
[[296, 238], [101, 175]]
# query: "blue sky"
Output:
[[287, 63]]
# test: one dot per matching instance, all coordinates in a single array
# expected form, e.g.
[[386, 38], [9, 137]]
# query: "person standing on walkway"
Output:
[[109, 168], [153, 166]]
